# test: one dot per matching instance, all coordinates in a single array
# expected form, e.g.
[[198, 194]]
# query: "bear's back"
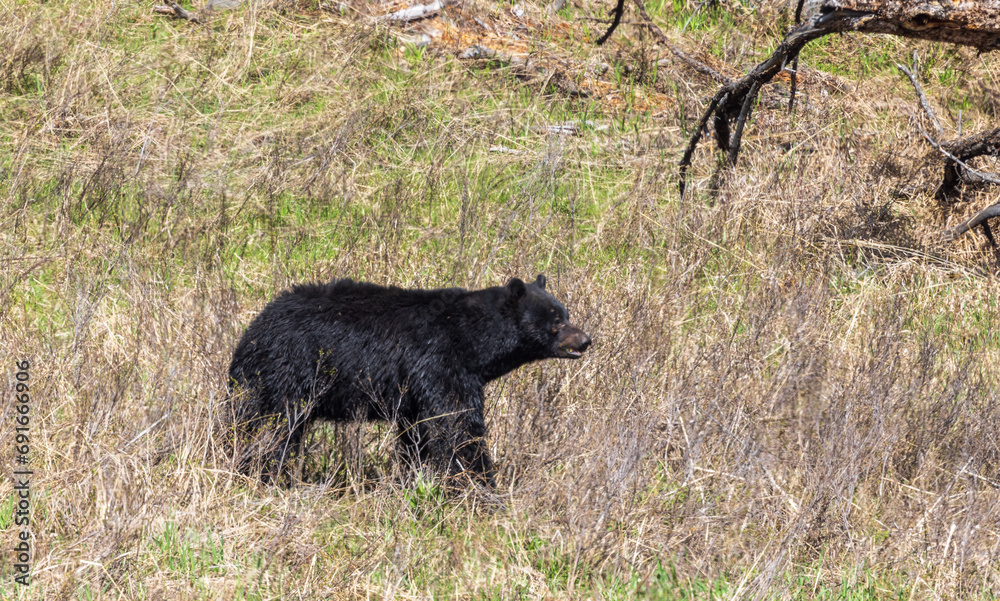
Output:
[[365, 322], [360, 299]]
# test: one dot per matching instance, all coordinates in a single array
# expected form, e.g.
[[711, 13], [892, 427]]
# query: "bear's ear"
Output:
[[516, 287], [540, 281]]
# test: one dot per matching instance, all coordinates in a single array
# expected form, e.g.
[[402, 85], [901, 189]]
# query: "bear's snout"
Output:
[[573, 342]]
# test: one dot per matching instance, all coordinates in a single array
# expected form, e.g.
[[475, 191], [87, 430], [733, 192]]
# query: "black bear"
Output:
[[351, 350]]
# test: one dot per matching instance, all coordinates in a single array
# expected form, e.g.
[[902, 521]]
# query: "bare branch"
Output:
[[980, 218], [794, 72], [695, 138], [697, 65], [986, 143], [617, 11], [662, 39], [923, 100], [734, 147], [957, 152]]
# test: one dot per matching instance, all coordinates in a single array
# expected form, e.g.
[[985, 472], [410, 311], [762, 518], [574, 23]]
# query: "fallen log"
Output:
[[975, 24]]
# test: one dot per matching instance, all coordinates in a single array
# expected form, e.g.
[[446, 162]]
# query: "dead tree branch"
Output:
[[975, 24], [174, 10], [617, 11], [923, 100], [979, 219], [697, 65], [728, 103], [959, 153], [956, 169], [662, 39], [794, 72]]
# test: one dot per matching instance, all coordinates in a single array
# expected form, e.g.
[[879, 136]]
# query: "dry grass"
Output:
[[792, 392]]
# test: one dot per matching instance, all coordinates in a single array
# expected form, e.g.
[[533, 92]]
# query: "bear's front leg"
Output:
[[450, 437], [470, 454]]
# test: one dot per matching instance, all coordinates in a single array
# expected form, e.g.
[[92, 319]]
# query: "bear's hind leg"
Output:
[[284, 440], [283, 450]]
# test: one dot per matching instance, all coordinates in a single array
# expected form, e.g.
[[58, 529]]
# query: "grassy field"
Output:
[[793, 388]]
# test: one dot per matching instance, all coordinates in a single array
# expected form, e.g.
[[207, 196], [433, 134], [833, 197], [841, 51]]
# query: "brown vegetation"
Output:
[[792, 391]]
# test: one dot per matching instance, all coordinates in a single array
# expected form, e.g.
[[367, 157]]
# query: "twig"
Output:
[[144, 432], [923, 100], [174, 10], [662, 39]]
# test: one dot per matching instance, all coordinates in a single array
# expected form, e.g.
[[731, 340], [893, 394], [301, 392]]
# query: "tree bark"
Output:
[[963, 22]]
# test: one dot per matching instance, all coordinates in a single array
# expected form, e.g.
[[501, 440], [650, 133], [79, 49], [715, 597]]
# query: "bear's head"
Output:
[[544, 322]]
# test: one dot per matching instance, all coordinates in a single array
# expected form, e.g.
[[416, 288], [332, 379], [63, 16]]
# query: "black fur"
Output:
[[420, 358]]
